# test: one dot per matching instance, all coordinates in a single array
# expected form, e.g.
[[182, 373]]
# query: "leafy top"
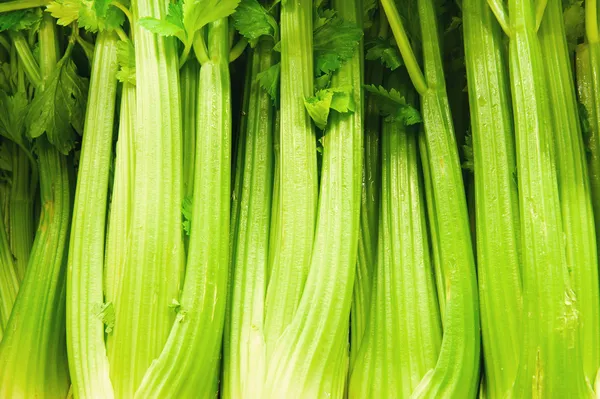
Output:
[[20, 20], [393, 105], [93, 15], [253, 21]]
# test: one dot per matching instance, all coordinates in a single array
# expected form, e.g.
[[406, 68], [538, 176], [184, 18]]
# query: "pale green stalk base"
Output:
[[88, 363]]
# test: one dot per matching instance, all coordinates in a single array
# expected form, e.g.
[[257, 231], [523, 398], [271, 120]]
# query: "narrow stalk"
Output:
[[21, 5], [155, 253], [244, 356], [9, 284], [27, 60], [188, 365], [21, 225], [367, 241], [88, 363], [189, 92], [496, 197], [121, 206]]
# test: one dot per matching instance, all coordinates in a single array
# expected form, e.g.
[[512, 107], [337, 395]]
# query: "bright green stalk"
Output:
[[121, 206], [404, 330], [37, 321], [456, 373], [155, 259], [244, 355], [367, 241], [550, 322], [297, 186], [26, 58], [9, 284], [21, 5], [310, 359], [189, 363], [574, 188], [496, 197], [189, 92], [88, 363], [588, 82], [21, 210]]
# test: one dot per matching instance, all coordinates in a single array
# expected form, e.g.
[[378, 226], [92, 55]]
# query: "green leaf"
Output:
[[93, 15], [269, 80], [13, 111], [385, 51], [19, 20], [172, 25], [334, 43], [5, 157], [393, 105], [339, 99], [59, 107], [186, 211], [253, 21], [469, 162], [126, 60], [106, 314], [198, 13]]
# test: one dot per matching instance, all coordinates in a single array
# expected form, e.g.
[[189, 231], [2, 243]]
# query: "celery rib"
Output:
[[367, 242], [188, 365], [404, 330], [457, 370], [574, 188], [37, 321], [297, 195], [155, 251], [496, 197], [310, 359], [88, 362], [550, 321], [9, 284], [244, 354]]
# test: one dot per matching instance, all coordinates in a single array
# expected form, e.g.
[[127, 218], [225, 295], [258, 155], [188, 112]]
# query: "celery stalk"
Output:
[[457, 370], [37, 321], [496, 197], [574, 188], [9, 284], [297, 195], [244, 345], [188, 365], [310, 360], [404, 331], [88, 363]]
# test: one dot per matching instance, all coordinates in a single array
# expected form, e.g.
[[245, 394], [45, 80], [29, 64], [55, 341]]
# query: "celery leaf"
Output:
[[269, 80], [334, 43], [393, 105], [126, 60], [19, 20], [339, 99], [253, 21], [384, 50], [5, 158], [186, 211], [172, 25], [59, 107], [198, 13], [94, 16], [13, 111]]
